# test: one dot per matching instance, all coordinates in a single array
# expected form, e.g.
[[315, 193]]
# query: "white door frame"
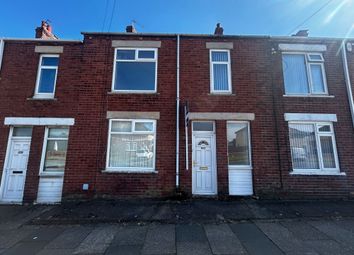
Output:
[[211, 134], [6, 161]]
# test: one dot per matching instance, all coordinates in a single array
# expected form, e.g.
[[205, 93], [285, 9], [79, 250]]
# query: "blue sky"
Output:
[[18, 18]]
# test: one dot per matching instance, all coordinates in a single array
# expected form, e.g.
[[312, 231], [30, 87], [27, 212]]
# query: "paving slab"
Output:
[[56, 252], [45, 234], [130, 235], [190, 233], [331, 229], [160, 239], [303, 231], [70, 238], [254, 240], [222, 240], [347, 224], [25, 248], [8, 238], [283, 238], [193, 248], [97, 241], [124, 250], [328, 247]]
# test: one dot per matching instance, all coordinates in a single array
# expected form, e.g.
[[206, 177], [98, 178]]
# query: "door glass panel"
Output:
[[22, 131], [203, 126]]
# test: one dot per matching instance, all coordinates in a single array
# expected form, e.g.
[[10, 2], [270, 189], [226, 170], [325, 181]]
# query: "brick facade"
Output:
[[83, 92]]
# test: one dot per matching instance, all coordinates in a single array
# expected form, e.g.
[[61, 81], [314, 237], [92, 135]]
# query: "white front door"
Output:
[[204, 164], [15, 170]]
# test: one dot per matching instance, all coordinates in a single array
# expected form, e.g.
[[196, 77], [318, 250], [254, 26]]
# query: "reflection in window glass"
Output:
[[135, 70], [203, 126], [132, 149], [312, 146], [238, 144], [22, 131], [56, 148]]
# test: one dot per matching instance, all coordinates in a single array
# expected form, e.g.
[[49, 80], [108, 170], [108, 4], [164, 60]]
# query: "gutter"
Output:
[[347, 79], [177, 114], [2, 44]]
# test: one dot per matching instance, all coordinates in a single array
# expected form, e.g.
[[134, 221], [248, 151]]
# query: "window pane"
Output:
[[50, 61], [295, 75], [58, 133], [125, 54], [324, 128], [55, 155], [22, 131], [315, 57], [47, 80], [131, 150], [146, 54], [203, 126], [220, 77], [135, 76], [121, 126], [327, 152], [303, 146], [219, 56], [238, 144], [317, 79], [144, 126]]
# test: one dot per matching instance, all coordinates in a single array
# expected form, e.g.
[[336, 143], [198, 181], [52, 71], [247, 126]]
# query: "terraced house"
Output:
[[153, 115]]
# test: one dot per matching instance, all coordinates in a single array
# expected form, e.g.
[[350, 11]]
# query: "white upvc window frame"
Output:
[[136, 59], [308, 63], [321, 170], [38, 94], [228, 63], [130, 169], [44, 149], [243, 167]]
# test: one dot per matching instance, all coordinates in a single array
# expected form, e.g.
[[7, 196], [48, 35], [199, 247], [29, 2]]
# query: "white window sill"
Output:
[[221, 94], [240, 168], [42, 98], [318, 172], [121, 171], [51, 174], [310, 95], [132, 92]]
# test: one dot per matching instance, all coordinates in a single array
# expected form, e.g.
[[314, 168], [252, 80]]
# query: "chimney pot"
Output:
[[45, 31], [219, 30], [302, 33], [130, 29]]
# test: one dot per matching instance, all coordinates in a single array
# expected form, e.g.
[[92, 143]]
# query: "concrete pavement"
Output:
[[268, 227]]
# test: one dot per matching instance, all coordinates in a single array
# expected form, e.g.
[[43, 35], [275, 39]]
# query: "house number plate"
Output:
[[203, 168]]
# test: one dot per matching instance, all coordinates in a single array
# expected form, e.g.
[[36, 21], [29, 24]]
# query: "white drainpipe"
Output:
[[177, 116], [2, 43], [347, 79]]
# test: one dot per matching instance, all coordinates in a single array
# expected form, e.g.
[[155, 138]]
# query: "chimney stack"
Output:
[[130, 29], [45, 31], [218, 30], [302, 33]]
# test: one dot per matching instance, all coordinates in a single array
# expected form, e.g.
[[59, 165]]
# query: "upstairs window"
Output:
[[47, 76], [304, 74], [135, 70], [220, 71], [313, 147]]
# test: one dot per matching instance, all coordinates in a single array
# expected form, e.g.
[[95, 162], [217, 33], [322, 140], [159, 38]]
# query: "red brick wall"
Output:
[[82, 92], [316, 186], [17, 80]]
